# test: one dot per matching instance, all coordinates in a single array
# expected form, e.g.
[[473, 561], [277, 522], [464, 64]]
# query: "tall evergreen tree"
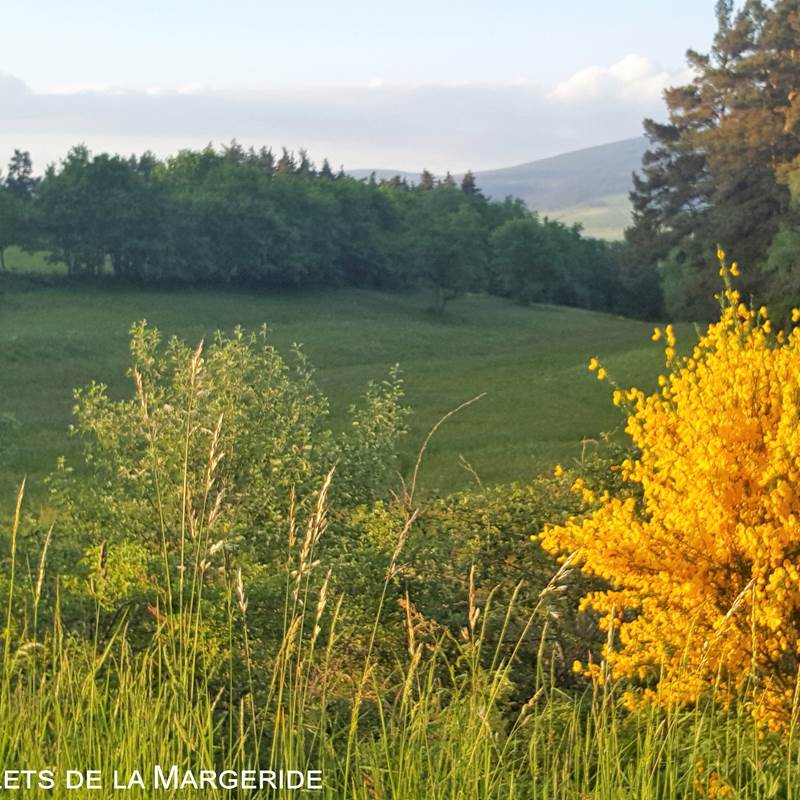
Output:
[[13, 219], [468, 183], [305, 166], [19, 180], [265, 160], [325, 170], [714, 172], [426, 181], [286, 163]]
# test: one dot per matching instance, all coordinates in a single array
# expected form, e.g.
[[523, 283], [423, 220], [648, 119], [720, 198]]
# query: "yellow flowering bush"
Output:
[[703, 561]]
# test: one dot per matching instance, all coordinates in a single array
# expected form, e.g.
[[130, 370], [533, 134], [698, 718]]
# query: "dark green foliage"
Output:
[[19, 180], [240, 217], [468, 183], [479, 545], [544, 261], [782, 265], [528, 265], [16, 195], [13, 219], [100, 210], [447, 244]]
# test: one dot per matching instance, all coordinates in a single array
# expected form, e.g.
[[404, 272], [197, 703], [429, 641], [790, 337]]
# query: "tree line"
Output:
[[236, 216], [725, 167]]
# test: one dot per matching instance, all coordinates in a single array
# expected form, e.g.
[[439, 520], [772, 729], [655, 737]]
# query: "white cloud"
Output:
[[634, 78], [452, 126]]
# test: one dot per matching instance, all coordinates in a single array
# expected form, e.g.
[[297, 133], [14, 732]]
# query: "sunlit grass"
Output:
[[436, 725], [540, 401]]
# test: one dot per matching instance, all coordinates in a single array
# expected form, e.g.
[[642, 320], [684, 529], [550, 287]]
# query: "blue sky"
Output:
[[401, 84]]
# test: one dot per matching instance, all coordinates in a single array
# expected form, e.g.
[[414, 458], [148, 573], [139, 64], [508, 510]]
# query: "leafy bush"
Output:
[[473, 549], [215, 450], [704, 566]]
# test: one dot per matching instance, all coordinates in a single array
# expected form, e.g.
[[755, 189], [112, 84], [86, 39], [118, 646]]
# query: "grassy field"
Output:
[[604, 217], [18, 260], [540, 402]]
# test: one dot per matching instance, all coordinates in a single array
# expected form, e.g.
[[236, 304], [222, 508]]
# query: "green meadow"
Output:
[[540, 401]]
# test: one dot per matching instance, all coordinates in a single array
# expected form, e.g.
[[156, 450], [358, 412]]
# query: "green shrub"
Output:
[[215, 449]]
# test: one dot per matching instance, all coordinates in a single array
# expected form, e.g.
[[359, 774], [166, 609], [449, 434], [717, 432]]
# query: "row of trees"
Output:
[[246, 217], [725, 168]]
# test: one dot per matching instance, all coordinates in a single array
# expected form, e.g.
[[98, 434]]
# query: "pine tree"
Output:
[[265, 160], [19, 180], [305, 165], [234, 152], [715, 172], [326, 171], [426, 181], [468, 183], [286, 163]]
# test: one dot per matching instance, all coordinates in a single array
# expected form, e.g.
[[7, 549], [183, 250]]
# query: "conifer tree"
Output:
[[19, 180], [715, 172], [426, 181], [326, 171], [265, 160], [468, 183], [305, 166], [286, 163]]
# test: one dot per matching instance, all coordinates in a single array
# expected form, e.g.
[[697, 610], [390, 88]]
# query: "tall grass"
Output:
[[440, 722], [436, 725]]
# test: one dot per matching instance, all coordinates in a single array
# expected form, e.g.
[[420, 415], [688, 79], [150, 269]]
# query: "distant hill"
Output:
[[589, 186]]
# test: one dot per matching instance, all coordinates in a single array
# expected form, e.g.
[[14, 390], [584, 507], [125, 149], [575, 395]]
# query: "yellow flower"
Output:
[[720, 254], [593, 364], [577, 666], [601, 374], [656, 334], [700, 548], [735, 269], [558, 471]]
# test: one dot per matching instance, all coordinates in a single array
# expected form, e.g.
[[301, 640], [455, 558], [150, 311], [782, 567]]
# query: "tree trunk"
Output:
[[441, 297], [439, 300]]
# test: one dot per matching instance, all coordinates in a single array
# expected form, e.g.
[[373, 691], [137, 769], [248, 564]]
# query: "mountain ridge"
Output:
[[588, 186]]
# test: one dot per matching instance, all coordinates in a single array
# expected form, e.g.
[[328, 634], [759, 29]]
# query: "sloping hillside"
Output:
[[541, 399], [571, 179], [589, 186]]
